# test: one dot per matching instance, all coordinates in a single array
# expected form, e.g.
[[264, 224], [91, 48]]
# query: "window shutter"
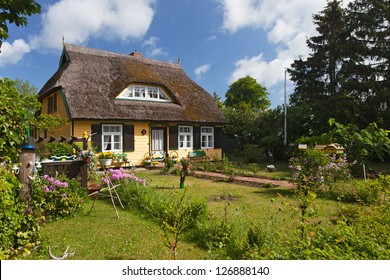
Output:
[[173, 138], [97, 137], [128, 138], [217, 137], [196, 137]]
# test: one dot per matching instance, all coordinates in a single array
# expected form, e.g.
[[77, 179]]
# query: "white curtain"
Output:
[[157, 140]]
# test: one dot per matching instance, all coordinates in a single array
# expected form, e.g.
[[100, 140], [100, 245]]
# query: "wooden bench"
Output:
[[198, 155]]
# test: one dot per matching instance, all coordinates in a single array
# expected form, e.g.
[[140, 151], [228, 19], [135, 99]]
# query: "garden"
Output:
[[326, 215]]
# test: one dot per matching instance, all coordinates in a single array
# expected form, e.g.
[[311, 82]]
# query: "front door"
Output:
[[158, 139]]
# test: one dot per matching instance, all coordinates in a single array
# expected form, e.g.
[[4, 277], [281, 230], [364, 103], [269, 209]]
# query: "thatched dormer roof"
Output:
[[90, 80]]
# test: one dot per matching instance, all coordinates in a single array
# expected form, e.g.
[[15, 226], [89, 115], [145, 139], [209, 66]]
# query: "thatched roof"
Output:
[[90, 80]]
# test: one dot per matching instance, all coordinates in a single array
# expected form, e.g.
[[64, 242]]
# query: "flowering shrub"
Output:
[[56, 197], [317, 168], [118, 175], [338, 168]]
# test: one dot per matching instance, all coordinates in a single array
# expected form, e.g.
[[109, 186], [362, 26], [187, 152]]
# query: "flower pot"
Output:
[[105, 161]]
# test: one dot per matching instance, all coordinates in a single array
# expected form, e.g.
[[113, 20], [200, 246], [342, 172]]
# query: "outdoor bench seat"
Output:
[[199, 155]]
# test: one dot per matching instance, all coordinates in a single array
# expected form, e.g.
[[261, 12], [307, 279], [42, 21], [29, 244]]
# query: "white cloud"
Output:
[[13, 53], [287, 24], [80, 20], [151, 45], [201, 70]]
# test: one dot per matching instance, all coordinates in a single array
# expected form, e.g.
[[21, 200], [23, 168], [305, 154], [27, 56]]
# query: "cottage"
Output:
[[132, 105]]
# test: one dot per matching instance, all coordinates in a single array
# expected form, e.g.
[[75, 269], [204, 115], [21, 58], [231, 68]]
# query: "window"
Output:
[[52, 103], [207, 137], [112, 138], [185, 137], [148, 93]]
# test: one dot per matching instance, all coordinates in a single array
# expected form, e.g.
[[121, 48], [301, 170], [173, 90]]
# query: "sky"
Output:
[[217, 41]]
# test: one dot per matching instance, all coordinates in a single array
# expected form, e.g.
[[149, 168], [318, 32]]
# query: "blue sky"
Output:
[[218, 41]]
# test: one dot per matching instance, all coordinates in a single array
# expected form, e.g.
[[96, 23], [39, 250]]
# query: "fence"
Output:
[[70, 168]]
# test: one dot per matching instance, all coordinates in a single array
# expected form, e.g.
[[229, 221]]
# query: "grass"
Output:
[[100, 235]]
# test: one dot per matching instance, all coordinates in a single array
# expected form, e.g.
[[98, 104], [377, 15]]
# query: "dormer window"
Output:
[[141, 92]]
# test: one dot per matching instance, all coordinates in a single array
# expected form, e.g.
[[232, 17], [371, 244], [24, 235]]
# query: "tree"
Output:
[[18, 107], [347, 74], [368, 22], [247, 94], [319, 79], [14, 12]]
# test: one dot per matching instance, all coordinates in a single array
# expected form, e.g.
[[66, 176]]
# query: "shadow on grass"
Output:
[[274, 192]]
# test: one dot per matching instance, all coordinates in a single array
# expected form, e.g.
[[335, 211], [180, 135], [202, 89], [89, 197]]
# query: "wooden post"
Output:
[[27, 160], [84, 176]]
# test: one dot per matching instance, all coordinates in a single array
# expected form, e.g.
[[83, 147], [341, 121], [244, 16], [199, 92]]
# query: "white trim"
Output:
[[112, 138], [185, 137], [145, 93], [208, 133]]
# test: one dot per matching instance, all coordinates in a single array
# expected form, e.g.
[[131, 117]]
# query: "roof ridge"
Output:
[[105, 53]]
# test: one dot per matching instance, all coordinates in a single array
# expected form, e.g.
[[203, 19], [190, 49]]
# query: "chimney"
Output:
[[136, 54]]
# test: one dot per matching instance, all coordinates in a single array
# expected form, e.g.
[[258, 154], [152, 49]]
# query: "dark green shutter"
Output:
[[173, 138], [128, 138], [96, 137], [217, 137], [196, 137]]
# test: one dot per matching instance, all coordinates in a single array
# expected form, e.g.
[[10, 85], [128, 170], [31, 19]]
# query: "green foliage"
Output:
[[362, 144], [15, 12], [19, 228], [372, 192], [17, 110], [47, 150], [179, 216], [18, 107], [247, 94], [251, 153], [336, 80], [55, 198]]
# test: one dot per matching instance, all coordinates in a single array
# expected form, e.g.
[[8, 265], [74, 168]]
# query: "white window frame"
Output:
[[185, 137], [115, 133], [209, 141], [142, 92]]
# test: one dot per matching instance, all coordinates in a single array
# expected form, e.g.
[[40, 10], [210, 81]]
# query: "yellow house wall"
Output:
[[66, 129], [142, 142]]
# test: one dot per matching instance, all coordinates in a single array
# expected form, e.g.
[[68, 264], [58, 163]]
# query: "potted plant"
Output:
[[86, 156], [105, 158], [147, 160]]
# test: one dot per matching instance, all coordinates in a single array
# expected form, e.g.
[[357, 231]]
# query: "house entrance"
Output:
[[159, 136]]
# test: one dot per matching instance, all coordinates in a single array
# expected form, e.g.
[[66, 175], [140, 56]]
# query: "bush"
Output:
[[47, 150], [372, 192], [251, 153], [19, 228], [55, 198]]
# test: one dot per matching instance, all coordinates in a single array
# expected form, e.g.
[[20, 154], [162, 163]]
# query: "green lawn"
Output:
[[100, 235]]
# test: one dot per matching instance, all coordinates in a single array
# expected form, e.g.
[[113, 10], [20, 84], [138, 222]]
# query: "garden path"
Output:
[[245, 179]]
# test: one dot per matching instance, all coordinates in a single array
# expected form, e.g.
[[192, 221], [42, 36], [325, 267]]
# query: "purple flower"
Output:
[[64, 195]]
